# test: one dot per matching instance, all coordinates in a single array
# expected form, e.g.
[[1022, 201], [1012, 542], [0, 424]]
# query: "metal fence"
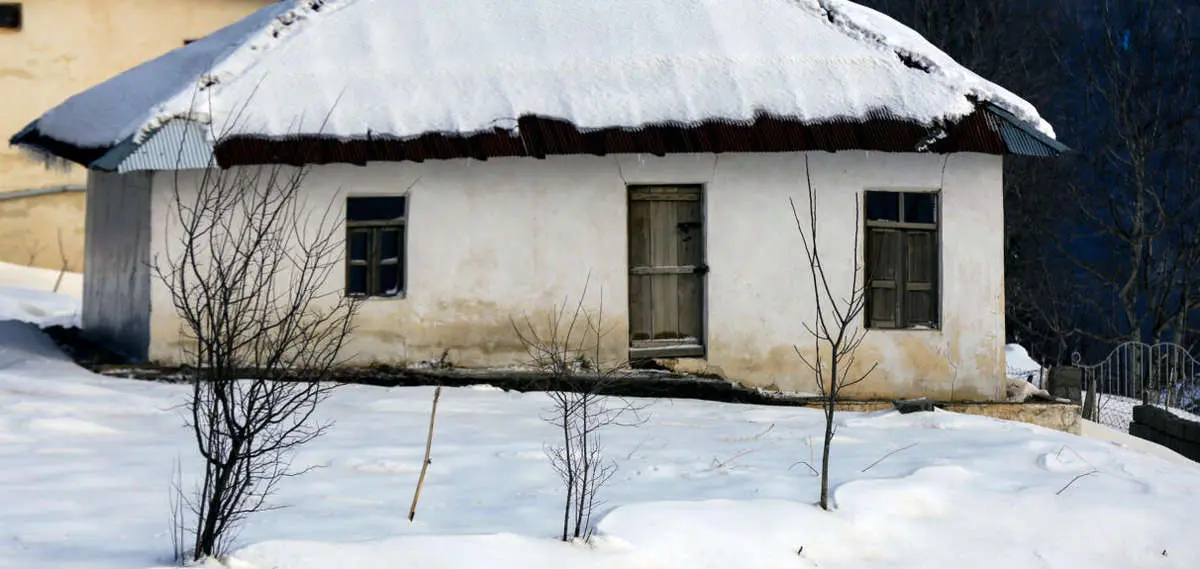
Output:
[[1134, 373]]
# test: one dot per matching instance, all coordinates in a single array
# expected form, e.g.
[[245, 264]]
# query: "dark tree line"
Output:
[[1103, 245]]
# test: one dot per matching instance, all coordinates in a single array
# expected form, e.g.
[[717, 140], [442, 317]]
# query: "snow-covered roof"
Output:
[[403, 68]]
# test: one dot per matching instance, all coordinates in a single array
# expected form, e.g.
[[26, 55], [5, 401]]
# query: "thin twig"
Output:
[[720, 464], [805, 463], [1064, 488], [412, 511], [869, 466]]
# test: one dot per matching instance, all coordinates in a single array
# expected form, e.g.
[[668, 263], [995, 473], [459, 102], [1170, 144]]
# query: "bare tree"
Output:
[[246, 270], [836, 331], [568, 350], [1141, 95]]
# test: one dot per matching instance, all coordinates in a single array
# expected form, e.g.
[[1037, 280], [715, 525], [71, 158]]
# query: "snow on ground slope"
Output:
[[26, 295], [85, 466], [1093, 430], [36, 278], [38, 307]]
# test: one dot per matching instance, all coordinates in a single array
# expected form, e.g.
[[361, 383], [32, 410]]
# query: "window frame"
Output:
[[375, 228], [901, 280]]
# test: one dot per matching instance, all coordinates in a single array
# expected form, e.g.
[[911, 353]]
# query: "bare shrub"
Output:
[[568, 351], [245, 270]]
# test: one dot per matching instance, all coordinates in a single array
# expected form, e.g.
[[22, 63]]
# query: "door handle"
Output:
[[700, 270]]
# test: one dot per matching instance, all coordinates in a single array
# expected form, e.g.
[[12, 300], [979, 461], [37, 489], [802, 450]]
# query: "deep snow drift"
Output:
[[85, 468]]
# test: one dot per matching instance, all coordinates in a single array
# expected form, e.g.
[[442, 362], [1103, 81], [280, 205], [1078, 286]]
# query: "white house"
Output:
[[505, 151]]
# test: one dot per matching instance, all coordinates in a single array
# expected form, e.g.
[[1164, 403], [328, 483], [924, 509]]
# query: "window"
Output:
[[375, 245], [902, 259], [10, 15]]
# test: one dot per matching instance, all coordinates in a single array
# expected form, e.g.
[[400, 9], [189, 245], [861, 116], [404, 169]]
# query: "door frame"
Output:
[[671, 348]]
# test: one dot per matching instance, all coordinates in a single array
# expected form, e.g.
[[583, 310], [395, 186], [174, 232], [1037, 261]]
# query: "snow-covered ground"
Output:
[[86, 461], [34, 278], [26, 294], [1097, 431]]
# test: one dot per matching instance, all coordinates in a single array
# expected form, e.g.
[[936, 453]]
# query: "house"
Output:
[[511, 151], [52, 49]]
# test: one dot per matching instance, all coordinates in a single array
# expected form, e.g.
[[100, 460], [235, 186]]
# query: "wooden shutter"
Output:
[[920, 278], [883, 267]]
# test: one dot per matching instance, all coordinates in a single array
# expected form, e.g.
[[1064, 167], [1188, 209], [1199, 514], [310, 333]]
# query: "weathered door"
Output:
[[666, 272]]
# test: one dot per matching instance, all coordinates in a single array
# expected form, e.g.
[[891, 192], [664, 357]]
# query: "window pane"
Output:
[[356, 280], [389, 245], [376, 208], [883, 206], [389, 279], [920, 208], [359, 241]]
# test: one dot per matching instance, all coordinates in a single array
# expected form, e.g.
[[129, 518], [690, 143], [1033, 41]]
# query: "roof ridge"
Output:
[[846, 24]]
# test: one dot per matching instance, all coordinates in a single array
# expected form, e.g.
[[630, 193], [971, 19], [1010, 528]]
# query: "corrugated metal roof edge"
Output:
[[1017, 138], [1038, 136]]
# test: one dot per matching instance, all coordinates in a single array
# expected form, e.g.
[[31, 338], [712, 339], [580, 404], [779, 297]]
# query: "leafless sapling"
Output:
[[568, 351], [836, 331], [246, 267]]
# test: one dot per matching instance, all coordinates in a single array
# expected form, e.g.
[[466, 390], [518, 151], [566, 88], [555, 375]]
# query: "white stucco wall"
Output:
[[498, 239]]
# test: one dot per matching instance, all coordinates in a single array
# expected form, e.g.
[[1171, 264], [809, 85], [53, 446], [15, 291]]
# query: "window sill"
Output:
[[908, 329], [378, 297]]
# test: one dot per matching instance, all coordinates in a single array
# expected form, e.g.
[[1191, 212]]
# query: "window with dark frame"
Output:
[[10, 15], [375, 251], [902, 259]]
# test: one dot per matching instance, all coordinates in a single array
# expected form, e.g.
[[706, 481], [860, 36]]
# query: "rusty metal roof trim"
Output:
[[539, 137], [988, 130]]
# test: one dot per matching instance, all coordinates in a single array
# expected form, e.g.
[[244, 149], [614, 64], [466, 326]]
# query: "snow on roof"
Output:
[[403, 68]]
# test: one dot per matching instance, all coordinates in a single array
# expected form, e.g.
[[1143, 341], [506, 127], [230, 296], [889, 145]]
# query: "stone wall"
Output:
[[1160, 426]]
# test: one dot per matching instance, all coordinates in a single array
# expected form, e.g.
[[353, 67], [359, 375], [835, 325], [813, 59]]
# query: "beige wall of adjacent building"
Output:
[[62, 48]]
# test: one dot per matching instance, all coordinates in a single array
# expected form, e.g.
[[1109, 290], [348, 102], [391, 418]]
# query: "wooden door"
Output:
[[666, 272]]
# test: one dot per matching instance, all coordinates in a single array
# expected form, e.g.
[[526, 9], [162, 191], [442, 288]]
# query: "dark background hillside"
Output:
[[1104, 244]]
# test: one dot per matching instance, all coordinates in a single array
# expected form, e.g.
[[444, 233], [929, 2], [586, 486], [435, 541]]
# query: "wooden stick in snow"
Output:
[[62, 253], [412, 511]]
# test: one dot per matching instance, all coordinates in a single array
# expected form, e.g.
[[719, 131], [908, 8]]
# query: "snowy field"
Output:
[[86, 462]]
